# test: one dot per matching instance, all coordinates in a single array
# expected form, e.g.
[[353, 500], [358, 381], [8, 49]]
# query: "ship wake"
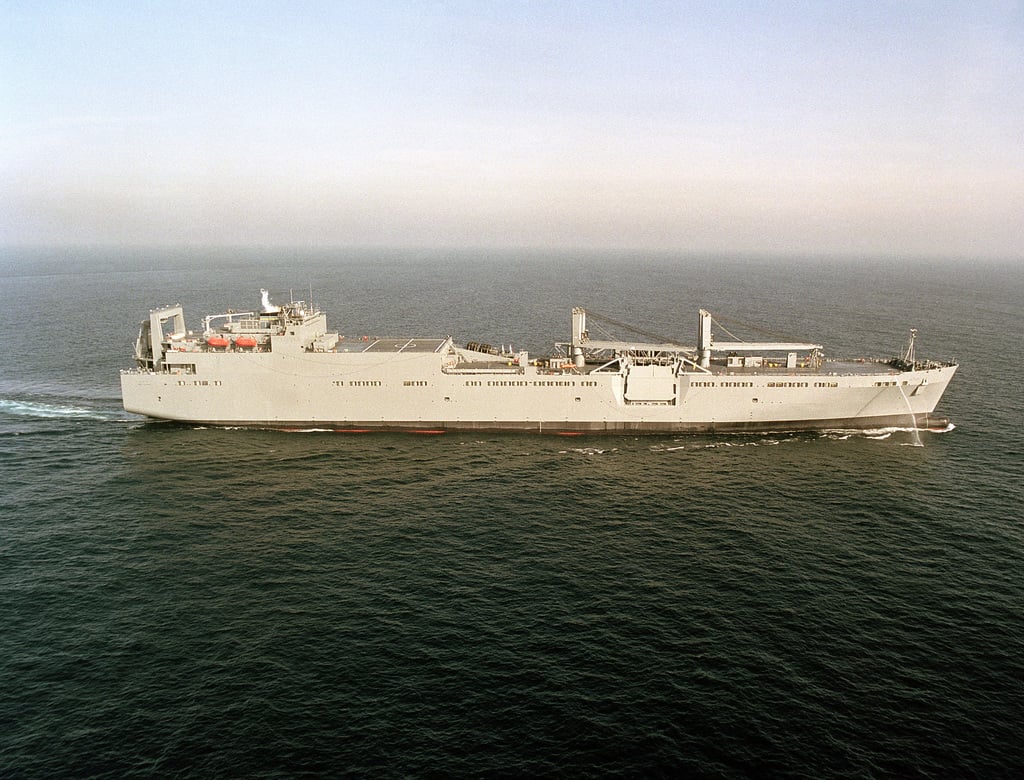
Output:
[[12, 407]]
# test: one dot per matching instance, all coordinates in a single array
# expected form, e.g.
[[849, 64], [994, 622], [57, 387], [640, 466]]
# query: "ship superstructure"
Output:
[[280, 367]]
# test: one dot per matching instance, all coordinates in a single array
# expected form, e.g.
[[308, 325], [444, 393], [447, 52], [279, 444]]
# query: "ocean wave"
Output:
[[880, 434], [717, 444]]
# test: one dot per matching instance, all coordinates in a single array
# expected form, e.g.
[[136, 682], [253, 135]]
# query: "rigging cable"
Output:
[[727, 333], [632, 328]]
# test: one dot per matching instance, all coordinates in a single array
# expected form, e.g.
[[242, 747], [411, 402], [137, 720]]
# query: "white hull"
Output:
[[298, 375], [344, 390]]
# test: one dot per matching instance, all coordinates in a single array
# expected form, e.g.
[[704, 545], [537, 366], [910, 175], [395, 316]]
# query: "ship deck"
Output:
[[828, 367], [391, 345]]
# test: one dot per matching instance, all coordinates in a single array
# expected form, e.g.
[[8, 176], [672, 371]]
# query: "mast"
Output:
[[704, 338], [908, 356]]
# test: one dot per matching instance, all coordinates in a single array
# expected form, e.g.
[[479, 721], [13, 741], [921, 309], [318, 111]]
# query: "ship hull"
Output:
[[554, 427], [359, 391]]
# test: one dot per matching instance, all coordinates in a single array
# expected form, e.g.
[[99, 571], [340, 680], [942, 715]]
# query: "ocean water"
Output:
[[194, 601]]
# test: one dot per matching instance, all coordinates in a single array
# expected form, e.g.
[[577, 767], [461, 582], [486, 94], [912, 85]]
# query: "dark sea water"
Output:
[[180, 601]]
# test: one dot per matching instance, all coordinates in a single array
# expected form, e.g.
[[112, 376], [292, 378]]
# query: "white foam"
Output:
[[51, 411]]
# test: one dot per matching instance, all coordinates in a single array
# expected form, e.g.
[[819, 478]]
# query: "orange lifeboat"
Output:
[[218, 342], [245, 342]]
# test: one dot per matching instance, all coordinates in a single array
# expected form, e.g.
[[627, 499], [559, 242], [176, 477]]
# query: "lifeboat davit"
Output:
[[245, 342], [218, 342]]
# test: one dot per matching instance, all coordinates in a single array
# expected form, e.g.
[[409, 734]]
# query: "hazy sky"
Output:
[[880, 128]]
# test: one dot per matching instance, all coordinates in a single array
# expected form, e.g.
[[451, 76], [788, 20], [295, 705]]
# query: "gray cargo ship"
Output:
[[280, 367]]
